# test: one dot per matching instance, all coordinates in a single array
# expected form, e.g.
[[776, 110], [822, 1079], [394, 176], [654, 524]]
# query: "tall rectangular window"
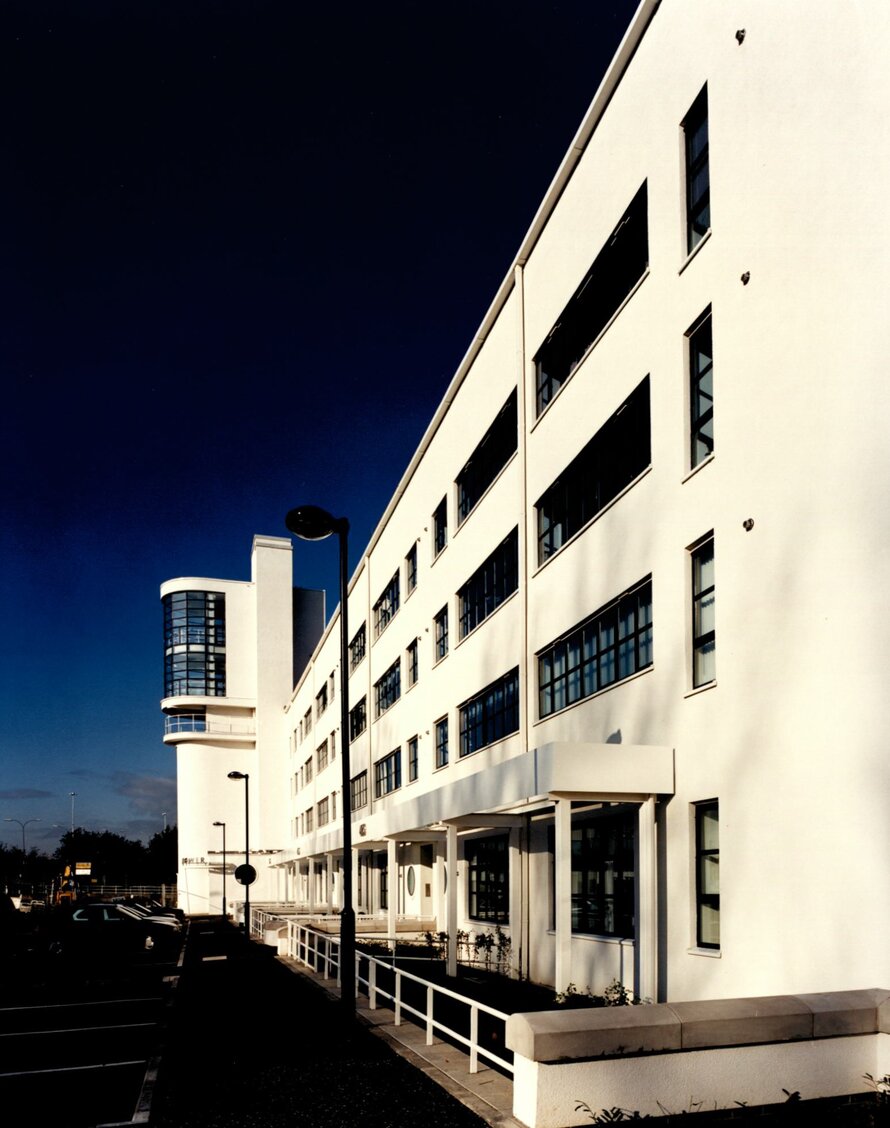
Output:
[[704, 637], [411, 569], [701, 390], [324, 811], [603, 873], [618, 267], [321, 700], [698, 180], [488, 879], [491, 714], [388, 774], [492, 582], [615, 642], [358, 790], [495, 449], [707, 874], [440, 626], [441, 742], [386, 606], [412, 663], [617, 453], [440, 527], [195, 644], [357, 647], [412, 758], [358, 718], [322, 756], [388, 688]]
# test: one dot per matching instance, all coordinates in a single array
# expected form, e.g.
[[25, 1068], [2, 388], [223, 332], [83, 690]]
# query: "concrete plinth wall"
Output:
[[668, 1058]]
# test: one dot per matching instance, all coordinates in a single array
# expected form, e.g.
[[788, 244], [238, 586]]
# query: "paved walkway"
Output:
[[255, 1041]]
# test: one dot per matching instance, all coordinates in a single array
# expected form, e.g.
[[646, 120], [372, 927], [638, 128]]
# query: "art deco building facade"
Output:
[[618, 641]]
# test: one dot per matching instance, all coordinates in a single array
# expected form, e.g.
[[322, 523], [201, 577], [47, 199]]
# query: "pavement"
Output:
[[252, 1040]]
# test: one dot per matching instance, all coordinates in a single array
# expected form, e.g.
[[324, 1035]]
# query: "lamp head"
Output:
[[238, 775], [219, 824], [309, 522]]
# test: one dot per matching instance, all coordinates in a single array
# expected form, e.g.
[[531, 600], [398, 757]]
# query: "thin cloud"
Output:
[[147, 795], [25, 793]]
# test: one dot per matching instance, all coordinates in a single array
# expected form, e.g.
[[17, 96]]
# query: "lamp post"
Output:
[[72, 795], [246, 778], [309, 522], [223, 825], [22, 825]]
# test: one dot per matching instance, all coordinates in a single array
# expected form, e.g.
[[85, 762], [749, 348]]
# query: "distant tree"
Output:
[[163, 854], [113, 859]]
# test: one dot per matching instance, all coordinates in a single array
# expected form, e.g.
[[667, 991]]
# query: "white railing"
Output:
[[197, 722], [320, 951]]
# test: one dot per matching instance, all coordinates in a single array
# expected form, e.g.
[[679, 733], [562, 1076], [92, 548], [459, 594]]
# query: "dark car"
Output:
[[114, 932]]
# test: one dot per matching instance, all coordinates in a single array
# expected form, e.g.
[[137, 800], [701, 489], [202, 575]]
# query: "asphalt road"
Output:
[[251, 1044]]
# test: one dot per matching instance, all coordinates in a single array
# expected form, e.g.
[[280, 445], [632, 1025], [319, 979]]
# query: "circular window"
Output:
[[412, 881]]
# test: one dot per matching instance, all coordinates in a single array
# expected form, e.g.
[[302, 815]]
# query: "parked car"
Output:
[[103, 931]]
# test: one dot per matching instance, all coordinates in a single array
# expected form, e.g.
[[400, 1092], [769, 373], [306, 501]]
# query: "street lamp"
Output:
[[22, 825], [311, 523], [72, 795], [223, 825], [246, 778]]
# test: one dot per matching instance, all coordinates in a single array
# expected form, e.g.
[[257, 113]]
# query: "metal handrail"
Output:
[[316, 950], [198, 722]]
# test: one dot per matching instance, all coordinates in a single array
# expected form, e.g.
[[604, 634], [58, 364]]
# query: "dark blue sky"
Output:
[[245, 246]]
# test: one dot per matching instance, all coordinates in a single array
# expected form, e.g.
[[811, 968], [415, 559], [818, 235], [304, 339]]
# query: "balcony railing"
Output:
[[198, 722]]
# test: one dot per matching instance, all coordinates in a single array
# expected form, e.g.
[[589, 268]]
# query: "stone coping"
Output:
[[571, 1035]]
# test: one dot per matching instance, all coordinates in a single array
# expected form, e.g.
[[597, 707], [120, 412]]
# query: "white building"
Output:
[[617, 646]]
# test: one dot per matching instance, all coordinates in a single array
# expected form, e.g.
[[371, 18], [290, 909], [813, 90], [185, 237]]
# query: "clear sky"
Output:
[[245, 246]]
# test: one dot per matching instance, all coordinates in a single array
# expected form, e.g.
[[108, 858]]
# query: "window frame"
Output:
[[413, 749], [700, 344], [487, 716], [611, 461], [388, 773], [440, 635], [358, 790], [412, 663], [696, 164], [575, 659], [358, 715], [618, 894], [706, 899], [492, 584], [488, 878], [492, 453], [387, 606], [358, 648], [441, 734], [703, 597], [411, 570], [440, 527], [388, 688]]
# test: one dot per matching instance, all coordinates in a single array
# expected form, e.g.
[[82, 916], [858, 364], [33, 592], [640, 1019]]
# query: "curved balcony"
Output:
[[192, 726]]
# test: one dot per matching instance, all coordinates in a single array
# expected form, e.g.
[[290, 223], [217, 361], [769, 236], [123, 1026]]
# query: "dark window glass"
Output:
[[488, 459], [440, 624], [603, 873], [358, 719], [615, 271], [413, 663], [707, 874], [388, 774], [491, 714], [698, 179], [388, 689], [612, 644], [617, 453], [442, 742], [488, 879], [194, 644], [701, 389], [704, 635], [357, 648], [412, 758], [358, 790], [440, 527], [386, 606], [411, 569], [324, 812], [489, 585]]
